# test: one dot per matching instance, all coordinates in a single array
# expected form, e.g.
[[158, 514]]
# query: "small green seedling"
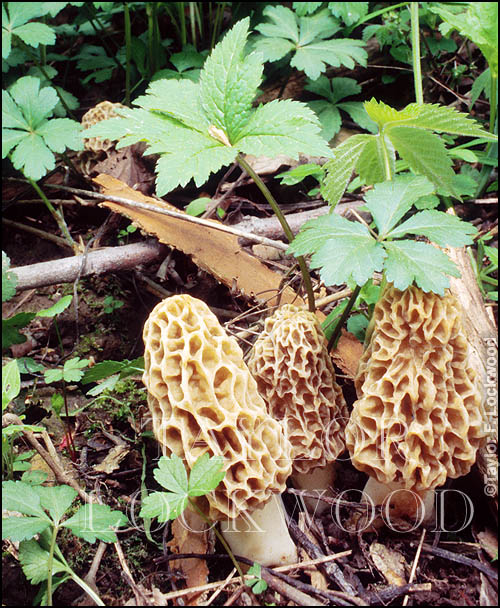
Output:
[[72, 371], [205, 476], [257, 584], [111, 372], [43, 514], [111, 304]]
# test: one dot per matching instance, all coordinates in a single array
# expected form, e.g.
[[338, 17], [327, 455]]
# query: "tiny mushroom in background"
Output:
[[419, 414], [295, 375], [204, 399]]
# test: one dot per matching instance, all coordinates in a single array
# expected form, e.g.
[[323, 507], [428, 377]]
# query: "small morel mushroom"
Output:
[[295, 375], [419, 414], [204, 399]]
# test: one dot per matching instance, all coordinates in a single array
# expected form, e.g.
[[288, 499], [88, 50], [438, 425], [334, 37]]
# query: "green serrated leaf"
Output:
[[32, 157], [371, 165], [339, 169], [61, 133], [344, 251], [444, 229], [56, 500], [315, 57], [329, 117], [17, 529], [10, 328], [34, 562], [446, 120], [349, 12], [283, 127], [229, 81], [284, 23], [179, 99], [171, 474], [21, 497], [94, 521], [382, 114], [205, 475], [163, 505], [34, 103], [425, 153], [389, 201], [409, 261]]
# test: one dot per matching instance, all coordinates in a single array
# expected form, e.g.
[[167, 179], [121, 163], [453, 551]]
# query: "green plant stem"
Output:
[[50, 561], [219, 536], [57, 216], [415, 50], [385, 152], [284, 224], [128, 50], [332, 342]]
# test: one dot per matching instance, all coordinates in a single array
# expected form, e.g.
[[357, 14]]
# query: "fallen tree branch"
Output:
[[67, 270]]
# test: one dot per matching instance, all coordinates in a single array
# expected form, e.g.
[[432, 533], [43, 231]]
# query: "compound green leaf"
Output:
[[339, 169], [344, 251], [444, 229], [425, 153], [390, 200], [409, 261], [283, 127], [329, 117]]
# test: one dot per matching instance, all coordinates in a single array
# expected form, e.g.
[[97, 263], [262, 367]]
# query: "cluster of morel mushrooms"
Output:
[[417, 419]]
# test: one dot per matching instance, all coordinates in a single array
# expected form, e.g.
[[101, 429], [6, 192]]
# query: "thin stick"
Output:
[[414, 565], [209, 586]]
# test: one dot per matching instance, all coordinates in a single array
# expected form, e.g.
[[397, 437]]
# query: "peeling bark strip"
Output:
[[66, 270]]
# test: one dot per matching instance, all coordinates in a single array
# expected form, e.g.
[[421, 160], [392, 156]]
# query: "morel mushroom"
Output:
[[418, 417], [295, 375], [204, 399]]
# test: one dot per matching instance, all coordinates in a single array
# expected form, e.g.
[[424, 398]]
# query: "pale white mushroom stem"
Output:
[[318, 481], [399, 501], [262, 536]]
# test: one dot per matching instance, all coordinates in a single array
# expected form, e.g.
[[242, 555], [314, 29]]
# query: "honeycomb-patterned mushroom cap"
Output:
[[419, 414], [295, 375], [204, 399], [102, 111]]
